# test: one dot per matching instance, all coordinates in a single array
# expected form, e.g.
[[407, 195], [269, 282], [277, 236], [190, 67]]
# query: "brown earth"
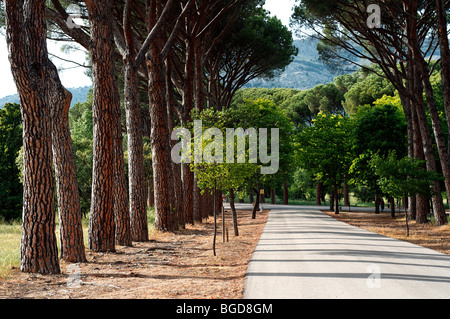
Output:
[[169, 266], [426, 235]]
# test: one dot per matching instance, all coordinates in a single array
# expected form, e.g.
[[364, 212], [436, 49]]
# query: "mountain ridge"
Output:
[[78, 96], [305, 72]]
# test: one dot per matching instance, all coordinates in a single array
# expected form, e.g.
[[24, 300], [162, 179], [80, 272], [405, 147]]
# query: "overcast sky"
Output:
[[74, 77]]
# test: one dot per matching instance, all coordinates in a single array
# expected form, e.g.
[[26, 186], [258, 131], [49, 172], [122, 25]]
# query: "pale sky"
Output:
[[75, 77]]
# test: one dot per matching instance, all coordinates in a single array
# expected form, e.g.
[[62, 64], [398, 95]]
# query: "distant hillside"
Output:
[[305, 72], [79, 96]]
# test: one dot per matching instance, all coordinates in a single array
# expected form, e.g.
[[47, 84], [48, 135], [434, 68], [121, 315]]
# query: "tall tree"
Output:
[[133, 56], [160, 135], [101, 223], [442, 34], [69, 209], [26, 34], [325, 150]]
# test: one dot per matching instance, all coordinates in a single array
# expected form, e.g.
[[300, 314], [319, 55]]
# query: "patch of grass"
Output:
[[151, 220], [10, 235]]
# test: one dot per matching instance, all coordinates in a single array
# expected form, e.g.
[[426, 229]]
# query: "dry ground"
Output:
[[426, 235], [169, 266]]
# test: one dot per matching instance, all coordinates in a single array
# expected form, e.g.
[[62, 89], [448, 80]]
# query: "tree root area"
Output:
[[178, 265]]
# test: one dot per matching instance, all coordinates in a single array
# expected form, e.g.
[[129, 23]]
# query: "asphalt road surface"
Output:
[[305, 254]]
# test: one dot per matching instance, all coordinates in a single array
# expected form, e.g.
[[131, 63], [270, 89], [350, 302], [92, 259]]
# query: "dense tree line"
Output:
[[401, 46], [158, 65], [375, 126], [153, 63]]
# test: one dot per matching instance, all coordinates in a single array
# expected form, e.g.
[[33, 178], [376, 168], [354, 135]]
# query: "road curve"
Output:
[[305, 254]]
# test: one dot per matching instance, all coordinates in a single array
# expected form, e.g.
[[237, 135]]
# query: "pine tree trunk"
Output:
[[151, 193], [197, 203], [377, 204], [346, 195], [233, 213], [421, 74], [256, 205], [336, 197], [262, 197], [445, 58], [70, 226], [392, 204], [136, 175], [318, 193], [285, 194], [101, 223], [332, 195], [416, 150], [188, 193], [121, 201], [437, 200], [161, 143], [199, 76], [272, 196], [411, 124], [420, 204], [177, 200], [26, 39]]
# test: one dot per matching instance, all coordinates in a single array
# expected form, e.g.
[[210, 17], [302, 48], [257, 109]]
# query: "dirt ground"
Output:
[[169, 266], [426, 235]]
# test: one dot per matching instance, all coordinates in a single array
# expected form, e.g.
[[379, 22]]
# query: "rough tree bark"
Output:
[[101, 223], [26, 39], [233, 213], [138, 213], [285, 193], [160, 137], [121, 201], [319, 187], [256, 204], [421, 72], [70, 226], [445, 57]]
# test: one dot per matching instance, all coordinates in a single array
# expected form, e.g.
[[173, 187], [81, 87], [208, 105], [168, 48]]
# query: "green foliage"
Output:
[[264, 42], [377, 130], [324, 98], [380, 129], [363, 194], [403, 177], [11, 190], [303, 185], [81, 126], [220, 174], [325, 148], [366, 89], [241, 176]]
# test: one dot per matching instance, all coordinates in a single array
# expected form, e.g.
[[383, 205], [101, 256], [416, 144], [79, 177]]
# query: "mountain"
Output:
[[305, 72], [78, 96]]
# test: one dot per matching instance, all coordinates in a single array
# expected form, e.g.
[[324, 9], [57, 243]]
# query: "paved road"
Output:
[[305, 254]]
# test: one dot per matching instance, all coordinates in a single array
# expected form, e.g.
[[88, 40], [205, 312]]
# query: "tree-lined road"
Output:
[[304, 253]]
